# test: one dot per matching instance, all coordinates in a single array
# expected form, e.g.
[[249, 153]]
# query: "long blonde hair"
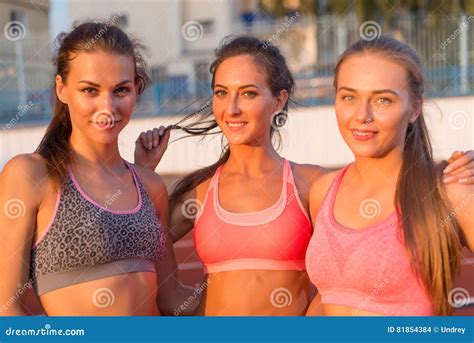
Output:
[[432, 242]]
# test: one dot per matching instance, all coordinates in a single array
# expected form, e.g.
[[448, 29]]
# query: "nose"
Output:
[[364, 112], [232, 107], [107, 103]]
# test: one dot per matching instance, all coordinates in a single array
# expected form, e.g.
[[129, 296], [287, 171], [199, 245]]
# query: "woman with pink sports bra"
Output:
[[387, 231], [81, 226], [252, 228]]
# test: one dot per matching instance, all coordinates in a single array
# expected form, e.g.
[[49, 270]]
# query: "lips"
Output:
[[106, 125], [236, 125], [363, 135]]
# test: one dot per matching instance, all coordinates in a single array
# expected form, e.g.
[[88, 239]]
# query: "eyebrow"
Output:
[[244, 86], [378, 91], [98, 86]]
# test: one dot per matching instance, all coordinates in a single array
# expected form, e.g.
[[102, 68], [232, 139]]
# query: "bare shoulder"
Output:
[[319, 190], [154, 184], [201, 190], [29, 169], [26, 177], [310, 173]]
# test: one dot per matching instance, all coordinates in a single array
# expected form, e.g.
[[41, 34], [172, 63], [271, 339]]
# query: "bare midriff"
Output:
[[132, 294], [257, 293]]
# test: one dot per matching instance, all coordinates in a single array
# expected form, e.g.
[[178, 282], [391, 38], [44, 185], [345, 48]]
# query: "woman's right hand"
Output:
[[150, 147]]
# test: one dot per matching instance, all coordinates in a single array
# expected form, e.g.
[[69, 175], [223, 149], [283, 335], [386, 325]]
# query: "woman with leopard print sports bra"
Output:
[[92, 237]]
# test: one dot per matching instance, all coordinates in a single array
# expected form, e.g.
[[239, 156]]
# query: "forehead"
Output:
[[241, 70], [370, 71], [101, 67]]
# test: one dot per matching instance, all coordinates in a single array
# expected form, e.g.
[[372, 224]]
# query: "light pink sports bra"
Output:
[[272, 239], [366, 269]]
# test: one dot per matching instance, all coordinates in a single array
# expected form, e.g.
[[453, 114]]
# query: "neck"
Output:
[[94, 154], [252, 160], [379, 171]]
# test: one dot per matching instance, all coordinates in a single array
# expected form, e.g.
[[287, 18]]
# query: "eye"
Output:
[[384, 101], [122, 90], [219, 93], [89, 90], [250, 94], [347, 97]]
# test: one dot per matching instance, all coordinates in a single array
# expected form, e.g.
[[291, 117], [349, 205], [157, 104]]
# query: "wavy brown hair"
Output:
[[86, 37], [432, 242]]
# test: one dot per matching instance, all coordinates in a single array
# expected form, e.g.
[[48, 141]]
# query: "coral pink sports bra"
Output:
[[366, 269], [272, 239]]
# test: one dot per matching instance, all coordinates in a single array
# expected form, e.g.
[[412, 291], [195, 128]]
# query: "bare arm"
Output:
[[20, 198], [172, 294]]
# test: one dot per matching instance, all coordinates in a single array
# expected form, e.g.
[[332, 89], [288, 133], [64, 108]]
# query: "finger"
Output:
[[162, 130], [165, 138], [459, 176], [142, 139], [149, 137], [457, 162], [455, 156], [467, 181], [156, 137]]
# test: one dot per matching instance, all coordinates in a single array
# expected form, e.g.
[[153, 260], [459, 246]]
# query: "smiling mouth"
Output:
[[105, 125], [363, 135], [235, 126]]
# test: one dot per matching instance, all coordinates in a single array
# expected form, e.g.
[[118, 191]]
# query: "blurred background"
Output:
[[182, 35]]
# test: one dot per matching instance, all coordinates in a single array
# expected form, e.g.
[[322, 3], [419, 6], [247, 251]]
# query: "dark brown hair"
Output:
[[432, 242], [279, 78], [86, 37]]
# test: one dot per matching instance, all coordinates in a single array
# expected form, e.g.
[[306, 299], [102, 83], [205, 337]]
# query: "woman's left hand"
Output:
[[460, 168]]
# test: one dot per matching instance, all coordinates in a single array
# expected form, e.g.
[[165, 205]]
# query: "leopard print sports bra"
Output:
[[86, 241]]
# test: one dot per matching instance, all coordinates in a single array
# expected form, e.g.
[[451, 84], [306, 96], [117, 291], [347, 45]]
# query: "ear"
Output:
[[281, 99], [138, 85], [61, 89], [417, 110]]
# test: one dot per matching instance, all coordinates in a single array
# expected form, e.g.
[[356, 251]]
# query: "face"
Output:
[[373, 105], [101, 93], [243, 103]]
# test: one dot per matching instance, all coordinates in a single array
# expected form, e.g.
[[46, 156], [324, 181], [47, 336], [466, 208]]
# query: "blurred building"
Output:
[[25, 55]]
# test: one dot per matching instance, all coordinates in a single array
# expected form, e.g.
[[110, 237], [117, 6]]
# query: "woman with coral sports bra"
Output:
[[252, 228], [387, 231], [83, 227]]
